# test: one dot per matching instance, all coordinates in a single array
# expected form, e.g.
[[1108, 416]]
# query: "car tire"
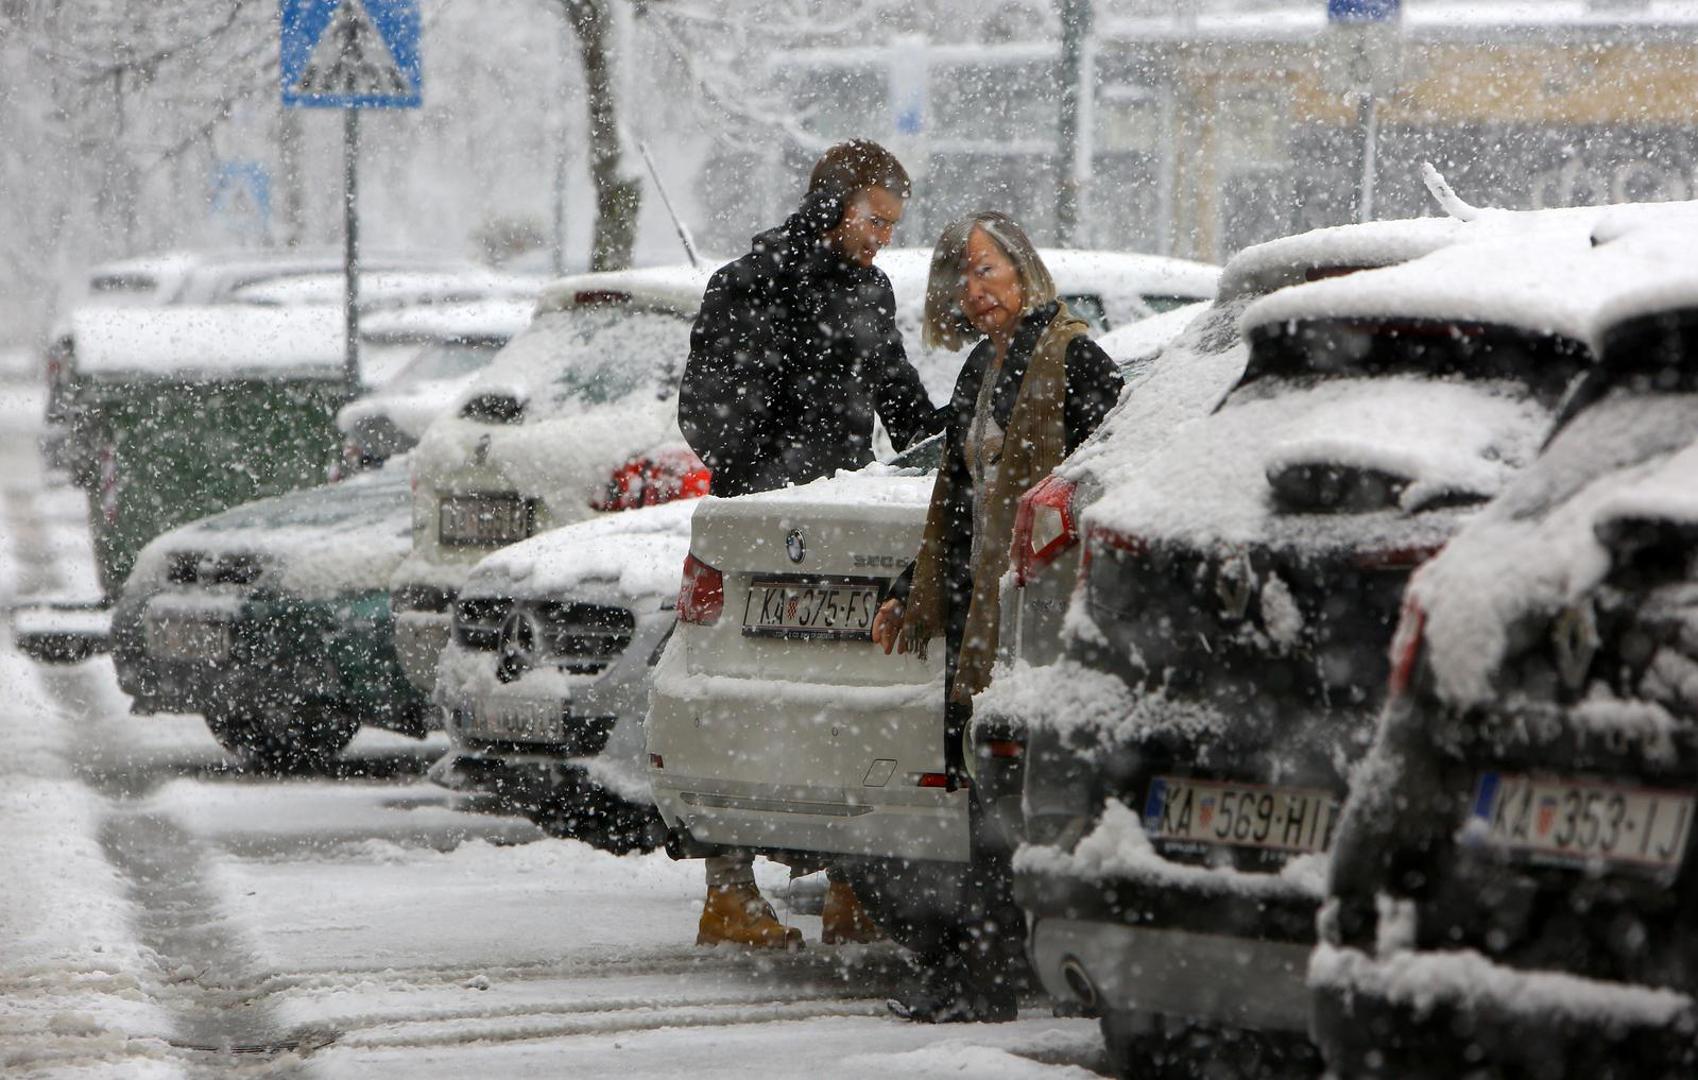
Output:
[[280, 736]]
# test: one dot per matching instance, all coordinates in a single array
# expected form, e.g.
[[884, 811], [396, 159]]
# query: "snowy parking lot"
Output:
[[163, 914]]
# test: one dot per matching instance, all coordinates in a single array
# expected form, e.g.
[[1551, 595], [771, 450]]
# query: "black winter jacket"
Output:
[[793, 352]]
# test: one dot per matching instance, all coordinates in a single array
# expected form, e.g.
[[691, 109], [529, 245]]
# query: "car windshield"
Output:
[[1362, 348], [591, 355], [360, 499], [447, 360]]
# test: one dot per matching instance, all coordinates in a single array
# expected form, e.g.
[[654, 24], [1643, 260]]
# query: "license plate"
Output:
[[485, 520], [826, 609], [187, 638], [1545, 819], [524, 719], [1190, 811]]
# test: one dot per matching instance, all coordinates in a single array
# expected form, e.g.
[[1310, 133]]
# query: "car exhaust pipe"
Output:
[[1079, 982]]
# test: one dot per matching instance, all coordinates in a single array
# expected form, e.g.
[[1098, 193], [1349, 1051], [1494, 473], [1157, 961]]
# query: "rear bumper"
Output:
[[844, 762], [1374, 1018], [1220, 958], [1213, 978]]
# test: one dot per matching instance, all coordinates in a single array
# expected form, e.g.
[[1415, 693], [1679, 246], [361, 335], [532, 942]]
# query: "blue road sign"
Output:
[[1363, 11], [240, 196], [351, 54]]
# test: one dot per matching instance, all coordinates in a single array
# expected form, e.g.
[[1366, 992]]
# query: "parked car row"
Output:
[[1346, 706], [188, 384], [1199, 783]]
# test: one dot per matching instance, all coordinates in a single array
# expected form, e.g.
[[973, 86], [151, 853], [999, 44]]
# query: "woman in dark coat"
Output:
[[1033, 388]]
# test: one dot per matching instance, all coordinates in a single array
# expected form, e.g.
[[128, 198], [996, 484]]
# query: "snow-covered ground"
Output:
[[162, 915]]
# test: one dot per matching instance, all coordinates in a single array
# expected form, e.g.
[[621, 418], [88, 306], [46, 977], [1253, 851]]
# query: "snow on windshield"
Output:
[[588, 356]]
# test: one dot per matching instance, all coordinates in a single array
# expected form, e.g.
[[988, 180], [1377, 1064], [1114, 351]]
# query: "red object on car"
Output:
[[701, 597], [1044, 527], [661, 476]]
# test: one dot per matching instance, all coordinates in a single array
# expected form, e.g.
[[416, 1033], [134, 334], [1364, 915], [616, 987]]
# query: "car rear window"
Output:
[[447, 360], [591, 355], [1357, 348]]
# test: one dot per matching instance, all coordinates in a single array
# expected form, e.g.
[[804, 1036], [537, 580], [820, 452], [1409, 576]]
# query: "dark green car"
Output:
[[272, 620], [180, 412]]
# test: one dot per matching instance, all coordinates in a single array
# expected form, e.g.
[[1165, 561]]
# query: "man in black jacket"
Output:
[[794, 351], [796, 345]]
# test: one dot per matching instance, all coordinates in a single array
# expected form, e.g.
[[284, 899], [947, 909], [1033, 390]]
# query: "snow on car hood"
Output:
[[640, 551], [314, 544], [1209, 484], [1536, 549]]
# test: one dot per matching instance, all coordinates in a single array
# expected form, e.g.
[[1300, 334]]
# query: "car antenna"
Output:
[[1443, 194], [677, 222]]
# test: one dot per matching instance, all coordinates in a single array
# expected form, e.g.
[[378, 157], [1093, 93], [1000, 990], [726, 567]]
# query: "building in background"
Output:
[[1208, 127]]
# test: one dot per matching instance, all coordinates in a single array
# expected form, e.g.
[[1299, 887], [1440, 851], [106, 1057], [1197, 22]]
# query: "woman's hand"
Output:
[[887, 627]]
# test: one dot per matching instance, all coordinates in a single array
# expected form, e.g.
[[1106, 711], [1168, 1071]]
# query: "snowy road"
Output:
[[162, 915]]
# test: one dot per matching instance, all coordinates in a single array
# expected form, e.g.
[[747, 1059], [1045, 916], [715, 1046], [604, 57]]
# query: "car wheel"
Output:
[[281, 736]]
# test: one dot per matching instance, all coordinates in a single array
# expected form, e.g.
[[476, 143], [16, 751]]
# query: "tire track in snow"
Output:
[[599, 1020]]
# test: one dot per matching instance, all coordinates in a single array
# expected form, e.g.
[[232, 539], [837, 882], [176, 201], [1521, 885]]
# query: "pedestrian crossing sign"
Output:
[[351, 54]]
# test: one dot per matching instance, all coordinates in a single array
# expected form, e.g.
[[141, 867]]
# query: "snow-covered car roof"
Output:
[[466, 320], [640, 552], [677, 287], [1545, 280], [389, 288], [317, 543], [1276, 264], [222, 341]]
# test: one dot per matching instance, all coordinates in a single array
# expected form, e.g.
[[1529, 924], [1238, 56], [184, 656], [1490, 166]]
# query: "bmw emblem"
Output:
[[794, 547]]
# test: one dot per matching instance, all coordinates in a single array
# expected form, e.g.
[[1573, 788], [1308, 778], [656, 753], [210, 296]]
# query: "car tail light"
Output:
[[591, 297], [1406, 645], [939, 780], [661, 477], [1407, 558], [1005, 748], [701, 597], [1108, 538], [1043, 527]]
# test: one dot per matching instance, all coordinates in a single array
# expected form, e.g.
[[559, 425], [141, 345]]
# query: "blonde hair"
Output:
[[946, 326]]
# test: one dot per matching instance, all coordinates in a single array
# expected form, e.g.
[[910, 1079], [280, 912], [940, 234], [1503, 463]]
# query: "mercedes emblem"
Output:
[[794, 547], [520, 636]]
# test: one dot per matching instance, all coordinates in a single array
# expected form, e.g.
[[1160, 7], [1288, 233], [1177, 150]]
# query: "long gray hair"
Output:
[[946, 326]]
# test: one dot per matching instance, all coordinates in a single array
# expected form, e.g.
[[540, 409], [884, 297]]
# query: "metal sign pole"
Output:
[[351, 246], [350, 55]]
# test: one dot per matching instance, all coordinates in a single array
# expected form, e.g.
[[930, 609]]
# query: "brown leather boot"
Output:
[[738, 915], [844, 921]]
